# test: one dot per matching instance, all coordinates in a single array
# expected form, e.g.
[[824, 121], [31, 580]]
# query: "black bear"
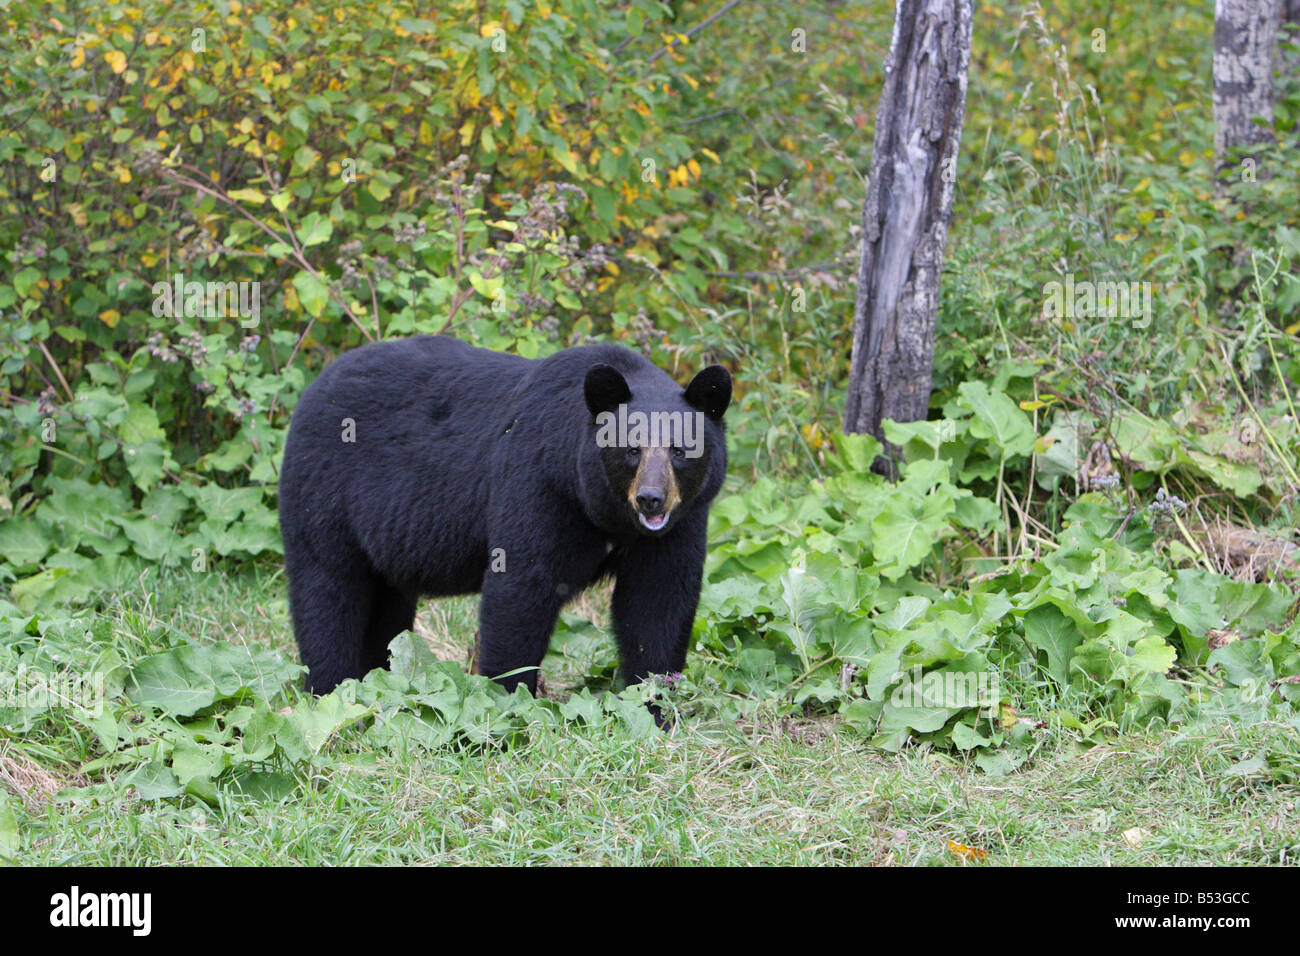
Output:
[[427, 466]]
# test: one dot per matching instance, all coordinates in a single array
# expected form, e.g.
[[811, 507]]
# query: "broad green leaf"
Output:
[[312, 293], [1050, 631], [998, 419], [314, 230], [23, 541]]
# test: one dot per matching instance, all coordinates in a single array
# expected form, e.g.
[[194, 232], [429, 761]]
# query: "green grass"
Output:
[[800, 794], [764, 790]]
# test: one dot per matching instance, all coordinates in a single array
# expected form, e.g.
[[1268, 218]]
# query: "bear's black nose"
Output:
[[650, 503]]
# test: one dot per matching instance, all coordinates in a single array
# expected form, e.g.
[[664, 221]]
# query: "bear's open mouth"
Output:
[[653, 522]]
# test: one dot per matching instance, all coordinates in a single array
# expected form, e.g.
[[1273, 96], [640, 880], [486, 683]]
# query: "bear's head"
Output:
[[662, 446]]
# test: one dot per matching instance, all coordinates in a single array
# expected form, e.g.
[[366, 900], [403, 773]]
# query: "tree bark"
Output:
[[905, 220], [1245, 33]]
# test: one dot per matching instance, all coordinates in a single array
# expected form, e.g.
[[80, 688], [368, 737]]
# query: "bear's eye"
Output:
[[679, 453], [634, 452]]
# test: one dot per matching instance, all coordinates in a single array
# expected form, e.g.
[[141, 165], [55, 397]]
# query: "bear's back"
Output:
[[426, 363], [387, 451]]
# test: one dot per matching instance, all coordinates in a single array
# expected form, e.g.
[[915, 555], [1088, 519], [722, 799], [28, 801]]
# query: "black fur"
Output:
[[460, 451]]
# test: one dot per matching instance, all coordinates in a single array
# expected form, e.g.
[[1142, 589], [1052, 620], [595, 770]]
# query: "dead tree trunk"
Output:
[[905, 221], [1245, 33]]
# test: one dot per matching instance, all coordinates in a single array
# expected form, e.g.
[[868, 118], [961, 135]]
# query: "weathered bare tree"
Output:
[[905, 220], [1245, 34]]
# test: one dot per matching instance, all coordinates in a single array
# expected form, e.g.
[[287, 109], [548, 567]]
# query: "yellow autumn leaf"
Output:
[[78, 57], [1007, 715], [254, 196], [116, 59], [566, 158], [110, 317], [711, 154], [966, 852]]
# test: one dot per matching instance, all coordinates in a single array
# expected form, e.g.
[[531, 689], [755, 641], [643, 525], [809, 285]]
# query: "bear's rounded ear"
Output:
[[605, 389], [710, 391]]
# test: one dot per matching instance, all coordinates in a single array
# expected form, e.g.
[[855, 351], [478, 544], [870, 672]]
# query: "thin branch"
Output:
[[695, 29], [783, 273], [297, 250], [57, 371]]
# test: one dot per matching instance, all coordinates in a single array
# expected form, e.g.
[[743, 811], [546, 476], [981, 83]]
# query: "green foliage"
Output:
[[495, 191], [167, 715], [829, 599]]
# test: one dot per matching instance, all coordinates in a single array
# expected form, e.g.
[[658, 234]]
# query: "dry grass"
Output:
[[33, 784]]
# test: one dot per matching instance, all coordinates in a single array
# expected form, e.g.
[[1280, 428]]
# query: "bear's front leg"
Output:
[[538, 559], [516, 617], [331, 604], [655, 597]]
